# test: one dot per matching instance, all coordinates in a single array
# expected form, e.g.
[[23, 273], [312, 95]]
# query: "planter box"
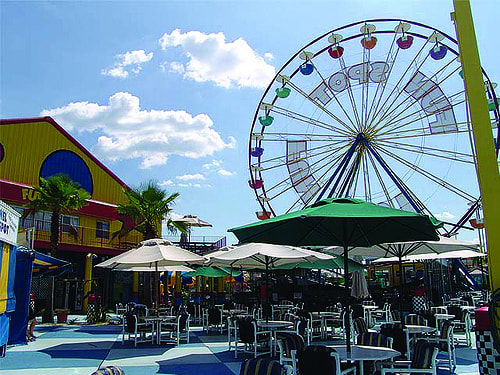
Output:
[[62, 317]]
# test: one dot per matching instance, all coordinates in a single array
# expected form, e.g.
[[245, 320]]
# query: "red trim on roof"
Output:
[[12, 191], [51, 121]]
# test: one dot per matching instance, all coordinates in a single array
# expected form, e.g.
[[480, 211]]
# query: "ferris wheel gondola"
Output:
[[375, 109]]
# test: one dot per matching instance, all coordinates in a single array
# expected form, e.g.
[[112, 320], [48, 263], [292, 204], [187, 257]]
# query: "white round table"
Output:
[[440, 317], [414, 329], [273, 326], [360, 353]]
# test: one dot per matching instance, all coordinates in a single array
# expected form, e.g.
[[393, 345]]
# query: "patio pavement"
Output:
[[81, 349]]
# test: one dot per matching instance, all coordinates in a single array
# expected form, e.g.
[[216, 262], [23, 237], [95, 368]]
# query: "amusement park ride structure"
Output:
[[378, 110]]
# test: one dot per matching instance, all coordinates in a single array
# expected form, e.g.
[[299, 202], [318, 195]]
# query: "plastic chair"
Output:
[[261, 366], [248, 334], [423, 362], [288, 345], [319, 359]]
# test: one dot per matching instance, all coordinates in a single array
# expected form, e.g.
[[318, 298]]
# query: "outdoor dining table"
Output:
[[440, 317], [273, 326], [324, 316], [360, 353], [235, 312], [156, 323]]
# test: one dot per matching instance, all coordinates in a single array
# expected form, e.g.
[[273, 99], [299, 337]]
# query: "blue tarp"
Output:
[[19, 318], [7, 297], [45, 265]]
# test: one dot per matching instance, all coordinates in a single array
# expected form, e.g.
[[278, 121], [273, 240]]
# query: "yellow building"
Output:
[[39, 147]]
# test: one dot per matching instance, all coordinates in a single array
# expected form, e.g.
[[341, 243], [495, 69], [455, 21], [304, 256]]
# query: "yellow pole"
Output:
[[87, 283], [135, 286], [487, 167]]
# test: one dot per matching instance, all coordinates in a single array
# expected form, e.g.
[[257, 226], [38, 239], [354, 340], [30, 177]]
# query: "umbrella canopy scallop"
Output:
[[155, 251]]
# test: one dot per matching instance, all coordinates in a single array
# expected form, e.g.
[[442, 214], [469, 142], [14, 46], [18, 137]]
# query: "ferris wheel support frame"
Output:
[[487, 167]]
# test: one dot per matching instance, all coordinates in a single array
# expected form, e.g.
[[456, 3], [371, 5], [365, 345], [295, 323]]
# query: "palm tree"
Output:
[[59, 195], [148, 206]]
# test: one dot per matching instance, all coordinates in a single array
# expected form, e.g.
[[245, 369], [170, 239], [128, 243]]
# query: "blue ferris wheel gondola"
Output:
[[438, 52], [306, 68]]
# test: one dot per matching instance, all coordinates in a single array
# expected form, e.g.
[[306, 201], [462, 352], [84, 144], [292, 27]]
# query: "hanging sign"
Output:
[[9, 222]]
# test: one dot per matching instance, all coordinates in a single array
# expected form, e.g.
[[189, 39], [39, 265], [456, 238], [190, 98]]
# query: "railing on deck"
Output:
[[83, 236], [198, 244]]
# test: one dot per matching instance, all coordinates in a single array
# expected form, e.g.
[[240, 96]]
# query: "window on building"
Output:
[[69, 224], [42, 220], [102, 230]]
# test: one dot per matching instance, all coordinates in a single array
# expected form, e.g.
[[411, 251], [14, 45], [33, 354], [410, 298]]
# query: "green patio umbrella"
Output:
[[337, 262], [343, 222], [212, 272]]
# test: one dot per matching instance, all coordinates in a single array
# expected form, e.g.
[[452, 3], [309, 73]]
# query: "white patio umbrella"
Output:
[[460, 254], [400, 250], [265, 256], [404, 249], [359, 288], [193, 221], [152, 268], [155, 253]]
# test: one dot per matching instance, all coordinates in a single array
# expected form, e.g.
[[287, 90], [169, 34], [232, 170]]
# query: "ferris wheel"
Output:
[[373, 110]]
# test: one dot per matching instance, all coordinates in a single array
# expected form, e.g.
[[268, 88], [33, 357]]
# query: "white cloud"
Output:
[[212, 59], [223, 172], [444, 216], [189, 177], [213, 164], [132, 59], [167, 183], [268, 56], [190, 184], [131, 132]]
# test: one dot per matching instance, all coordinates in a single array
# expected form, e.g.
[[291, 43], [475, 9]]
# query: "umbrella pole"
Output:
[[401, 283], [348, 305], [267, 289], [157, 291]]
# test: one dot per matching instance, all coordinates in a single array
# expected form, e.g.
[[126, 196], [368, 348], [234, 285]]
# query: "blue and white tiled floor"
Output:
[[80, 350]]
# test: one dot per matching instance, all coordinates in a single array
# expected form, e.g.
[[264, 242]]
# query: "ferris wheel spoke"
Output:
[[366, 178], [417, 133], [391, 93], [321, 181], [381, 181], [321, 107], [431, 151], [426, 116], [312, 172], [389, 61], [313, 169], [364, 88], [285, 137], [351, 96], [391, 117], [281, 161], [428, 175], [299, 117], [334, 95], [350, 176]]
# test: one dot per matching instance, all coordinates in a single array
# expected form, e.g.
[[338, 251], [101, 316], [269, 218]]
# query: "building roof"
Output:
[[59, 128]]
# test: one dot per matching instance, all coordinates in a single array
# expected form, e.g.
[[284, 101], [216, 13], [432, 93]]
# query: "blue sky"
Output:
[[192, 72]]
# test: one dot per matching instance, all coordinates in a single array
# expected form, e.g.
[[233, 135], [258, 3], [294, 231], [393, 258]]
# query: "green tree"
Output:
[[148, 206], [59, 195]]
